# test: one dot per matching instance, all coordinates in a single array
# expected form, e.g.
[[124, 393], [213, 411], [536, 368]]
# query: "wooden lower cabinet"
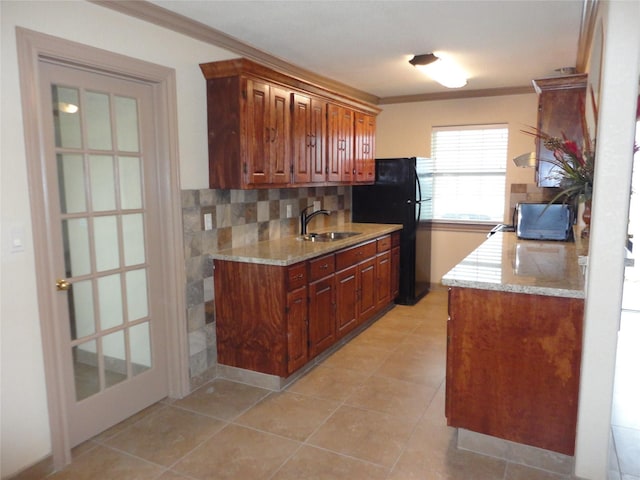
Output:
[[395, 272], [347, 294], [383, 279], [513, 366], [274, 319], [297, 328], [322, 308]]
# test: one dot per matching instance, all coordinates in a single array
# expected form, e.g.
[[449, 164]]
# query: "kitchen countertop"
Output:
[[505, 263], [289, 250]]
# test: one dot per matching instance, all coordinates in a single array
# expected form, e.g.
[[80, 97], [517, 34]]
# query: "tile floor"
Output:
[[625, 421], [373, 410]]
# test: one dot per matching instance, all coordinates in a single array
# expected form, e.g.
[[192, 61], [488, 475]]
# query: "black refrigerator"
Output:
[[398, 197]]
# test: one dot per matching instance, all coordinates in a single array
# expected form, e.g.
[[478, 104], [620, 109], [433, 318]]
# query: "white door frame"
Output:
[[32, 47]]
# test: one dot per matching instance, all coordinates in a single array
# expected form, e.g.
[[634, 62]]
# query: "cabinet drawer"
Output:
[[353, 255], [296, 276], [384, 243], [321, 267]]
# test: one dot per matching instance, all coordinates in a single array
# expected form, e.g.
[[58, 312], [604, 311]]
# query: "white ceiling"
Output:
[[367, 44]]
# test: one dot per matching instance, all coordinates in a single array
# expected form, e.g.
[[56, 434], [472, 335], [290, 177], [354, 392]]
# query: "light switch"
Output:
[[17, 239], [208, 221]]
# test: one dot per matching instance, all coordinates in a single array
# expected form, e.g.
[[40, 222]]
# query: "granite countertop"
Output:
[[505, 263], [290, 250]]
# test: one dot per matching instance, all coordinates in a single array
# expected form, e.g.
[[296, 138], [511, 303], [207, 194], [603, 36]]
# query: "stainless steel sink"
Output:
[[327, 236]]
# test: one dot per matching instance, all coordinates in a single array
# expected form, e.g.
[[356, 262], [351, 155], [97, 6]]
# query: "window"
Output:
[[465, 176]]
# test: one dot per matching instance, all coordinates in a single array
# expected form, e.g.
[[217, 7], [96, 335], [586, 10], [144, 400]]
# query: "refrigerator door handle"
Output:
[[419, 189]]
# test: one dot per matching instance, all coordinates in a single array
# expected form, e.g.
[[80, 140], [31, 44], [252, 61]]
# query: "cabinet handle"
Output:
[[298, 277], [274, 134], [324, 267]]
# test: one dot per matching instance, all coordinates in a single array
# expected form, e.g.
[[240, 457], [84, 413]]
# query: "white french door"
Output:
[[104, 229]]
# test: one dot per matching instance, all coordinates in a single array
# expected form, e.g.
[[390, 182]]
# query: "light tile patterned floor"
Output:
[[373, 410]]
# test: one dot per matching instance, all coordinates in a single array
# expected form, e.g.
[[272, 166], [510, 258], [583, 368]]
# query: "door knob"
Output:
[[62, 285]]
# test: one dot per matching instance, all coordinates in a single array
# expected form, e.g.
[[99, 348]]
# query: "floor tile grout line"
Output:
[[415, 427]]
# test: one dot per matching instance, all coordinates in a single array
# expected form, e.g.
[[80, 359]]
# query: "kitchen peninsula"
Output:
[[281, 303], [514, 341]]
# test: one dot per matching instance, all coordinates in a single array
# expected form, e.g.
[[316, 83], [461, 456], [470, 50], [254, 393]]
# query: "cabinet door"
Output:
[[364, 160], [367, 281], [339, 143], [318, 134], [395, 272], [322, 324], [297, 330], [334, 144], [346, 300], [346, 147], [301, 121], [279, 161], [258, 133], [309, 131], [383, 279], [561, 104]]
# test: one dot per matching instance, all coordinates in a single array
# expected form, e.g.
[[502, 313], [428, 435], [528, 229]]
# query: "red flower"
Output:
[[571, 148]]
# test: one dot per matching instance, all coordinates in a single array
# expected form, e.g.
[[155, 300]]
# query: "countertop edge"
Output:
[[525, 289], [249, 253]]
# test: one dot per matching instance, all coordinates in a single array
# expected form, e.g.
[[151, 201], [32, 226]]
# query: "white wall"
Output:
[[614, 159], [404, 129], [25, 425]]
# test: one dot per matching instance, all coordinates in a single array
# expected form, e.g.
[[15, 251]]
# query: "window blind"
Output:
[[465, 176]]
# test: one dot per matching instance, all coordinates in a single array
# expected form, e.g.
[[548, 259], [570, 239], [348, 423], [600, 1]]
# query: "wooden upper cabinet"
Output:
[[364, 160], [561, 106], [267, 129], [309, 126], [267, 126], [340, 139]]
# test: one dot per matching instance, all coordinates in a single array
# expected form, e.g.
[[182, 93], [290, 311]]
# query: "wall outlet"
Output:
[[316, 205], [289, 211], [208, 221], [207, 217]]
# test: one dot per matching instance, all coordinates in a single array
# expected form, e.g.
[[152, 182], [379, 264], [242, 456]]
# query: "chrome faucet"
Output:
[[305, 219]]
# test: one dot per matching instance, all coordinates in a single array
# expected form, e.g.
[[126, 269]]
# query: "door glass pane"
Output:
[[137, 294], [130, 183], [105, 234], [98, 121], [103, 194], [140, 347], [81, 309], [110, 301], [71, 183], [115, 358], [127, 124], [85, 369], [133, 234], [75, 239], [66, 117]]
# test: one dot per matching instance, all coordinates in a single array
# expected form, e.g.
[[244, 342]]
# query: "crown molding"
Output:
[[457, 94], [162, 17]]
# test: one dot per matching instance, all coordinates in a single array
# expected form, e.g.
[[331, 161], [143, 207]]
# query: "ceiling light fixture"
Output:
[[442, 70], [67, 107]]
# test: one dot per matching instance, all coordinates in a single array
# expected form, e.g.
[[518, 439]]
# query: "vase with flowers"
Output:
[[574, 171]]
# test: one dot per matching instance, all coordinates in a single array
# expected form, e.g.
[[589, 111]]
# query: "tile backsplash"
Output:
[[238, 217]]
